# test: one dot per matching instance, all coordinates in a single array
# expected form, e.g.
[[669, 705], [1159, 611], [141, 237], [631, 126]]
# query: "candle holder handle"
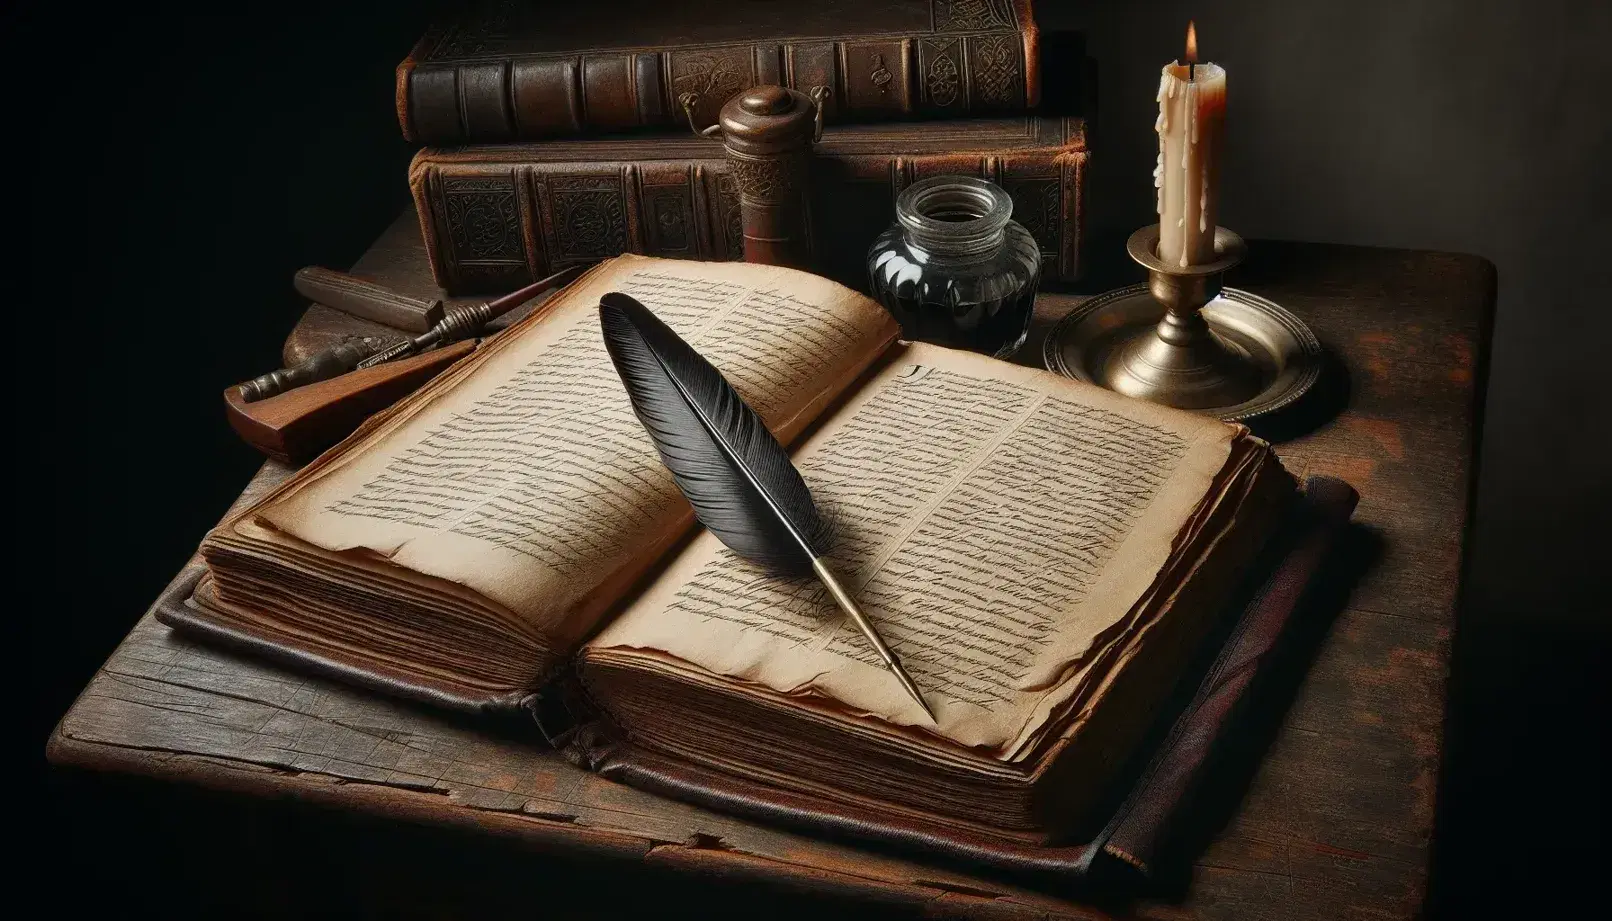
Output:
[[1183, 363]]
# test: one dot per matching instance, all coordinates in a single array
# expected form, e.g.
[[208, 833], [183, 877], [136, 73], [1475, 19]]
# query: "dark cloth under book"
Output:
[[1042, 554]]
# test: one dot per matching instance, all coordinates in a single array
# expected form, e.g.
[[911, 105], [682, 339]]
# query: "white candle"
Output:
[[1192, 113]]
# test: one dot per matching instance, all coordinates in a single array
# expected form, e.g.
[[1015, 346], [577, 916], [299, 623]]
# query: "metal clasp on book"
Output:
[[819, 96], [689, 101]]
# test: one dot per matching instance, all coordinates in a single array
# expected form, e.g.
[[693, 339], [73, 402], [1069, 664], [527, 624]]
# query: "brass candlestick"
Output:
[[1187, 341], [1183, 363]]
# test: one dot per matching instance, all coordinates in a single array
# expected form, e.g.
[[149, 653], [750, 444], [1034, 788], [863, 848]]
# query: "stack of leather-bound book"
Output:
[[563, 133]]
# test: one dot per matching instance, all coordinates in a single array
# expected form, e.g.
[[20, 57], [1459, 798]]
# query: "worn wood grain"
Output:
[[1333, 822]]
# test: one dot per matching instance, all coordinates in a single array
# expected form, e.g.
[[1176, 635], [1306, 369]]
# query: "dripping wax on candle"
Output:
[[1160, 125], [1192, 99], [1191, 153]]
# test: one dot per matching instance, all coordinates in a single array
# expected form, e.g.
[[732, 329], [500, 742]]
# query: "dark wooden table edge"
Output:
[[1483, 356], [543, 834]]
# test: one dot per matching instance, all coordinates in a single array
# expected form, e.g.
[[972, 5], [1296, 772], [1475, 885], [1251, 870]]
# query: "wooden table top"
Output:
[[1336, 820]]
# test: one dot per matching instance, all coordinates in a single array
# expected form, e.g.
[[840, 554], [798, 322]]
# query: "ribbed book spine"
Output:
[[878, 78]]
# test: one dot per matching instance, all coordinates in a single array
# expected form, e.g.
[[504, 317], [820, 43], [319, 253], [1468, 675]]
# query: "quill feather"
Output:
[[742, 484], [743, 487]]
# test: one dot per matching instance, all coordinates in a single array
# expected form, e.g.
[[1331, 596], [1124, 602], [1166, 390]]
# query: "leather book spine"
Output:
[[495, 226], [969, 70], [492, 221]]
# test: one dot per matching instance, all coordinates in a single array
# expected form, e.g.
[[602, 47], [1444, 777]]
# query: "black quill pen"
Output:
[[742, 485]]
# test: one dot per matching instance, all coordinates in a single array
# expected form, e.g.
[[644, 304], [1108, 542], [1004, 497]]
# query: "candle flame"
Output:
[[1192, 42]]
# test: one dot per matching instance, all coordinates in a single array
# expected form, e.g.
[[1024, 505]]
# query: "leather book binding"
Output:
[[511, 70], [495, 217]]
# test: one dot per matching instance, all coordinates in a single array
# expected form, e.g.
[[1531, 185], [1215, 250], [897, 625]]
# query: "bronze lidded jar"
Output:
[[955, 269]]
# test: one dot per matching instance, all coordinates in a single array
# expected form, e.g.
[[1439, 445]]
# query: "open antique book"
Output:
[[1041, 554]]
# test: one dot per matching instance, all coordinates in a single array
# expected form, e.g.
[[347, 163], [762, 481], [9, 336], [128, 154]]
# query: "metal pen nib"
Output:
[[911, 689], [854, 611]]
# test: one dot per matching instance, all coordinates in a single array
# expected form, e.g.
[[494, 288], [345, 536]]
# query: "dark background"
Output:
[[172, 171]]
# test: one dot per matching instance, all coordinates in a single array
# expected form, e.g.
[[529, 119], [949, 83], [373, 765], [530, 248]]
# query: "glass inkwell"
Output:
[[955, 269]]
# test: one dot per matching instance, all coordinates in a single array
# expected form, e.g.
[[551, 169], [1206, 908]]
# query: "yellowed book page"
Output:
[[528, 480], [994, 521]]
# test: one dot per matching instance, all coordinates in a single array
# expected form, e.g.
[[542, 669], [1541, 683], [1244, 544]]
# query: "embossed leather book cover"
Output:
[[497, 216], [508, 70]]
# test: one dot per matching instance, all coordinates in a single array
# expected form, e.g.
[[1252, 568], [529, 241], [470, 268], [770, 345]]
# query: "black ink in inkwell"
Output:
[[955, 269]]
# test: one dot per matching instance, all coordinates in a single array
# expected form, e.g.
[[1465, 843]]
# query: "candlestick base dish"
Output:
[[1185, 341]]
